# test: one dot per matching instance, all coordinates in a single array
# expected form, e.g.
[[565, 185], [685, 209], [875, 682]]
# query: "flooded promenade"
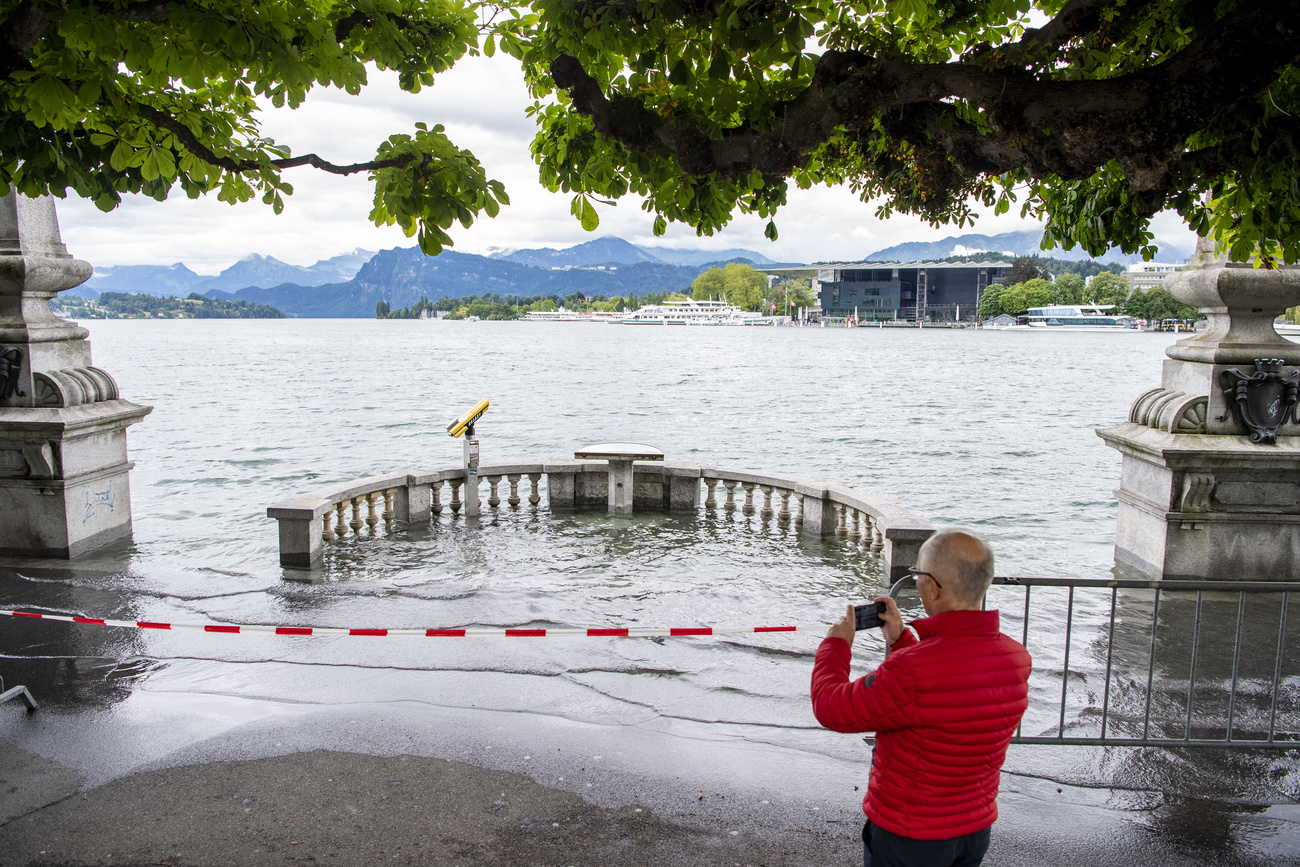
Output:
[[712, 735]]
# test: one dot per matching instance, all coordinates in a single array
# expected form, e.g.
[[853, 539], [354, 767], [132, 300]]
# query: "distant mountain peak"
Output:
[[613, 250], [1021, 243]]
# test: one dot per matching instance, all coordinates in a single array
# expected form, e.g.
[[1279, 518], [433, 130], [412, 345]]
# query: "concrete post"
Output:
[[414, 503], [683, 492], [561, 483], [63, 461], [620, 487], [819, 514], [301, 521]]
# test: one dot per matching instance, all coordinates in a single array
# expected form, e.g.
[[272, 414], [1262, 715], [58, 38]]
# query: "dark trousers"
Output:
[[880, 848]]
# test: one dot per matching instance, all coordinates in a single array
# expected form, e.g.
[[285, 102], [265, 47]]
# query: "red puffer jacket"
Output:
[[943, 709]]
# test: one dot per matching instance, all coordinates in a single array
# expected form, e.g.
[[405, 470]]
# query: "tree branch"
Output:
[[18, 33], [343, 29], [191, 142], [1066, 128]]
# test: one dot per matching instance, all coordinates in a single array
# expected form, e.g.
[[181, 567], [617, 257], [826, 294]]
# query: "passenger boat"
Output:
[[563, 315], [692, 312], [1083, 317]]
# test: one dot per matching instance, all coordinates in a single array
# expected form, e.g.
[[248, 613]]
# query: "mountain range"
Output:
[[351, 284], [402, 276], [178, 280], [616, 251], [1012, 244]]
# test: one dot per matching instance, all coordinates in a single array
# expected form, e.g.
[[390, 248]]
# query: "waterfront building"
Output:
[[1148, 275], [875, 291]]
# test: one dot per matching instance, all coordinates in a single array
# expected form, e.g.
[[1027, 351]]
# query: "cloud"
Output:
[[482, 104]]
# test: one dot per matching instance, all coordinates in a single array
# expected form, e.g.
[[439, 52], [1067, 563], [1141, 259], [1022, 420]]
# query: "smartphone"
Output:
[[868, 616]]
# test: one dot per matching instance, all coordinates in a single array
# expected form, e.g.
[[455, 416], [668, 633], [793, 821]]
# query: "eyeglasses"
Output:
[[915, 573]]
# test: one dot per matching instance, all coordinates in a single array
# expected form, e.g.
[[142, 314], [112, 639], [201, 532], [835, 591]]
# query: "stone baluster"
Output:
[[766, 514], [372, 517], [730, 505], [711, 501], [514, 490], [854, 533], [877, 537], [327, 527], [534, 496], [342, 529], [356, 523], [455, 496], [841, 521], [389, 514], [798, 515], [494, 500], [783, 516], [435, 505], [749, 498]]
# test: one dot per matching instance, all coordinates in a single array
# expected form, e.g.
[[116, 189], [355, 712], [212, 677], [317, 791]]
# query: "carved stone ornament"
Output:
[[1263, 401], [74, 386], [11, 366], [1197, 490], [1170, 411]]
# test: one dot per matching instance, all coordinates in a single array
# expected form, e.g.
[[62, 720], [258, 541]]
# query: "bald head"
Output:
[[961, 561]]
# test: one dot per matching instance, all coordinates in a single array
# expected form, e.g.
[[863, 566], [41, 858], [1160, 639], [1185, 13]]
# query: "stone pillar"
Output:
[[63, 460], [1210, 481]]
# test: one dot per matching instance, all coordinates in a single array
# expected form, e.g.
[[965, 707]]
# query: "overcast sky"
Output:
[[481, 103]]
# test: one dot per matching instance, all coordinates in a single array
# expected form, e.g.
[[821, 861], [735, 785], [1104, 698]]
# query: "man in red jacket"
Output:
[[943, 708]]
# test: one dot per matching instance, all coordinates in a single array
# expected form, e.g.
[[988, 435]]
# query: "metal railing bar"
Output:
[[1151, 665], [1277, 666], [1141, 584], [1110, 646], [1191, 675], [1024, 642], [1158, 742], [1065, 668], [1236, 661]]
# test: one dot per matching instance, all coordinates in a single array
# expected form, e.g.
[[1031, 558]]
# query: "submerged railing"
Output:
[[410, 497], [1180, 663]]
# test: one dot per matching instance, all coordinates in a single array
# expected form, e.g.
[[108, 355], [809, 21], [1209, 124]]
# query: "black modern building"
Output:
[[930, 291]]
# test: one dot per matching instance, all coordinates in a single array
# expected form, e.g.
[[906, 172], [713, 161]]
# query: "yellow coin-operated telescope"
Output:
[[465, 425]]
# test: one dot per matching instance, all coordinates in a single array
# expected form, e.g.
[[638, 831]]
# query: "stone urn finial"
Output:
[[1240, 303], [34, 267]]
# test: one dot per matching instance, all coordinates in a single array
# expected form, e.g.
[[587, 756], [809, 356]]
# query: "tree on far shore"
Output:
[[1107, 288], [735, 282]]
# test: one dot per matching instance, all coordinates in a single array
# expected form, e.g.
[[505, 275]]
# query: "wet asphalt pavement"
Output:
[[214, 785]]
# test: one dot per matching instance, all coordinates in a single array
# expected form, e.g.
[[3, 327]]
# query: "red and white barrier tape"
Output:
[[468, 632]]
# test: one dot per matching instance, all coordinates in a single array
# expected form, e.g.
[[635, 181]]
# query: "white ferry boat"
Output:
[[692, 312], [563, 315], [1084, 317]]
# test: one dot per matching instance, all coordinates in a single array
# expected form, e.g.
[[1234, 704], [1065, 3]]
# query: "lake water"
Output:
[[988, 430]]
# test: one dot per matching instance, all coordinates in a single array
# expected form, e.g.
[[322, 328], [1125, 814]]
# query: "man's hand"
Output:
[[891, 621], [844, 627]]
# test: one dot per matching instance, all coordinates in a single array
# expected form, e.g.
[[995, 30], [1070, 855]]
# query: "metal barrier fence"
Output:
[[1181, 663]]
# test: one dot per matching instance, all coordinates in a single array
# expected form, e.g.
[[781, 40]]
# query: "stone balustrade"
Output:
[[417, 496]]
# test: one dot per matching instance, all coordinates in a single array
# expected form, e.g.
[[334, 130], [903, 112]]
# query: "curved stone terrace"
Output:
[[385, 504]]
